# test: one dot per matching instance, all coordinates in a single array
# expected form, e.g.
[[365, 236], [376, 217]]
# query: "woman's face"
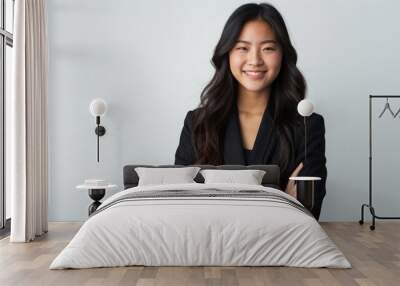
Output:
[[255, 60]]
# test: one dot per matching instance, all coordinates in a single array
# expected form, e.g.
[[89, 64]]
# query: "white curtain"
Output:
[[28, 122]]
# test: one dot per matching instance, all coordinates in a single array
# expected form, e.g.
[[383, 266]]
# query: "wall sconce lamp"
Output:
[[306, 185], [98, 107]]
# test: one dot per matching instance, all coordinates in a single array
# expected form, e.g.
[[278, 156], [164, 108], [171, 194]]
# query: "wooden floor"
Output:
[[374, 255]]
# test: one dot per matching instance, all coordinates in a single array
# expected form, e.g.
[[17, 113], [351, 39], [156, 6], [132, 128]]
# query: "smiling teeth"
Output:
[[254, 73]]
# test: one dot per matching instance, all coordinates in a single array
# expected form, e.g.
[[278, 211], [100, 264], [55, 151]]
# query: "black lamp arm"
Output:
[[100, 131], [305, 139]]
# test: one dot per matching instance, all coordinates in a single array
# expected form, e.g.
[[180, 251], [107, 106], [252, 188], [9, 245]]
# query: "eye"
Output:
[[241, 48], [269, 49]]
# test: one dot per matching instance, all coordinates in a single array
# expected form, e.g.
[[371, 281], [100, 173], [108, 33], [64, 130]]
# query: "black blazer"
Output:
[[266, 148]]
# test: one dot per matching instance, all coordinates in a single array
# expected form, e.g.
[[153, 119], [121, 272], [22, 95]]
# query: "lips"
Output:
[[255, 74]]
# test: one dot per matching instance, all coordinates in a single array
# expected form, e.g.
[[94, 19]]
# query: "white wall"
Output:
[[150, 60]]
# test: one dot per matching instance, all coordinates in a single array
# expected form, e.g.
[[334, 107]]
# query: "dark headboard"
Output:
[[270, 179]]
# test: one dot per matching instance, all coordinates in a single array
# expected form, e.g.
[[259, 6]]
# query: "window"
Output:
[[6, 44]]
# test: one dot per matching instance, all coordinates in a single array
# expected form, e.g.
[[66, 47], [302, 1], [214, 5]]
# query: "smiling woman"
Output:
[[255, 62], [247, 113]]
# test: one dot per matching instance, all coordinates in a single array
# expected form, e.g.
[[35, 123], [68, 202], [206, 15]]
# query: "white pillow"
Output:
[[249, 177], [163, 176]]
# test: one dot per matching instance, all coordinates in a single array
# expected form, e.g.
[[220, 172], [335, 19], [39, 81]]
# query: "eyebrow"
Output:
[[263, 42]]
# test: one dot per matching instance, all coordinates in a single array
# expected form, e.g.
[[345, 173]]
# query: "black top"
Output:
[[248, 158], [266, 148]]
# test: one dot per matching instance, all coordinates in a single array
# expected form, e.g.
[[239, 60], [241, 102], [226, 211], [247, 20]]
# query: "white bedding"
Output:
[[226, 231]]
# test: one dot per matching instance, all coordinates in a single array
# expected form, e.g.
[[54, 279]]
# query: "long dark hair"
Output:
[[220, 94]]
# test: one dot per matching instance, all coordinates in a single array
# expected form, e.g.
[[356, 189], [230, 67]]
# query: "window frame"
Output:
[[6, 39]]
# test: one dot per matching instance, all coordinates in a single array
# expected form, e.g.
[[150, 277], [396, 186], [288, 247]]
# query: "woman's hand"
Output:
[[291, 187]]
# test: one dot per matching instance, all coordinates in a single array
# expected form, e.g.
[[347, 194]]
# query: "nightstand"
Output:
[[96, 193]]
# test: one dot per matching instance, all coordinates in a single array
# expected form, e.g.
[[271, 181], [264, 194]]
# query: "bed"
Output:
[[201, 224]]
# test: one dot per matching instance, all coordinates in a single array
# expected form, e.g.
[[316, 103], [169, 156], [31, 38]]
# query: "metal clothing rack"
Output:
[[369, 205]]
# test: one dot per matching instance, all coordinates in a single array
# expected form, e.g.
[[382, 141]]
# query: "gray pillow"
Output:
[[249, 177], [163, 176]]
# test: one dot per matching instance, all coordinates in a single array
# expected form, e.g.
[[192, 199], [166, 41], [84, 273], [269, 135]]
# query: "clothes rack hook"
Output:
[[387, 107]]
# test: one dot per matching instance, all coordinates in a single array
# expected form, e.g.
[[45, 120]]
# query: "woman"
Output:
[[248, 112]]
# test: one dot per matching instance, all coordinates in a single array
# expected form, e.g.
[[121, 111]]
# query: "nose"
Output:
[[254, 58]]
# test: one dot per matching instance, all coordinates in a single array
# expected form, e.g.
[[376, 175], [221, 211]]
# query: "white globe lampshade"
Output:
[[305, 107], [98, 107]]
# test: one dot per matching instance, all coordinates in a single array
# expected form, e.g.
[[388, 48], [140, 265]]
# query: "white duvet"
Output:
[[200, 231]]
